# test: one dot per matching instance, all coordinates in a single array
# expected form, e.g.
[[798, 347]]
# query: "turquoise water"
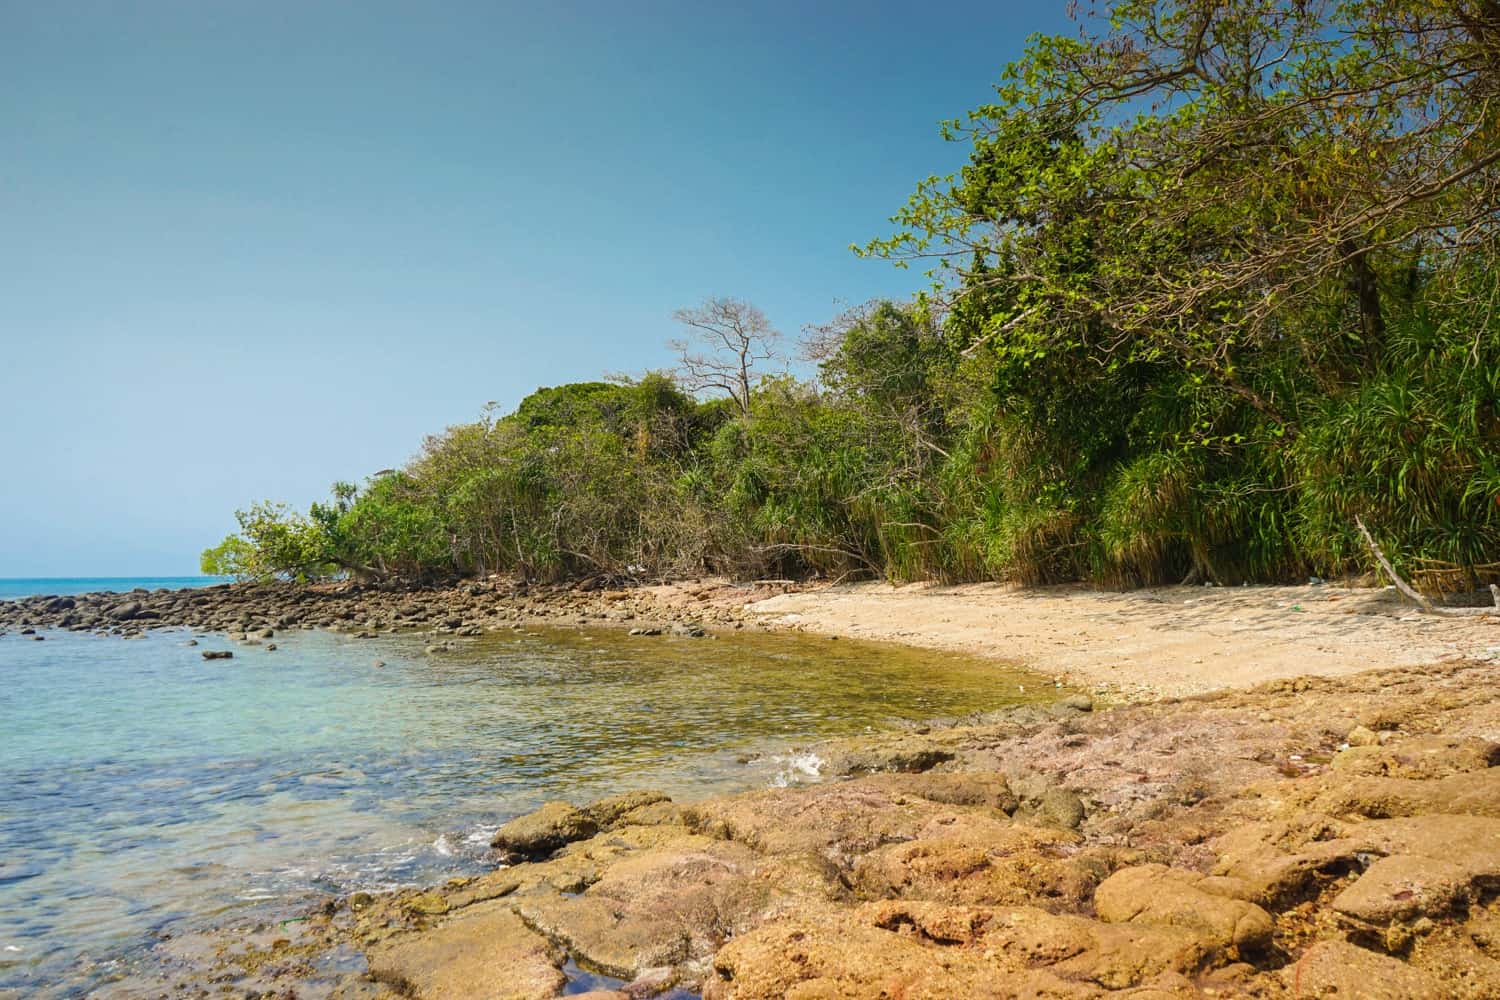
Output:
[[13, 587], [148, 790]]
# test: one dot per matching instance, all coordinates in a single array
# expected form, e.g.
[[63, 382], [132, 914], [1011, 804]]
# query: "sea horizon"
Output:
[[13, 587]]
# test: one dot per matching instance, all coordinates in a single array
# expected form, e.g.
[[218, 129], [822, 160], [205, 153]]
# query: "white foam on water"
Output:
[[796, 768], [481, 836]]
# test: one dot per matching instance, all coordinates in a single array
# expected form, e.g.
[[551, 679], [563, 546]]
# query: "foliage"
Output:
[[1218, 277]]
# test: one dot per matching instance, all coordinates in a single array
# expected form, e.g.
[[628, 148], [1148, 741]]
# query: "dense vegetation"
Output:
[[1219, 277]]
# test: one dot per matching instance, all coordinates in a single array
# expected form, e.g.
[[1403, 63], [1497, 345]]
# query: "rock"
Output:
[[990, 789], [124, 611], [1080, 702], [660, 907], [487, 952], [926, 950], [1419, 757], [1158, 895], [980, 860], [1043, 800], [1359, 736], [1281, 861], [266, 633], [217, 654], [427, 903], [1342, 970], [1404, 887], [1059, 807], [898, 752], [607, 813], [538, 834], [1475, 792], [836, 823]]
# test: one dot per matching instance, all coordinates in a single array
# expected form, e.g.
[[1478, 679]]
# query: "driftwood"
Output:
[[1422, 601]]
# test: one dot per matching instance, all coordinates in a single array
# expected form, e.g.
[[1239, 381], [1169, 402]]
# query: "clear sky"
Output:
[[248, 248]]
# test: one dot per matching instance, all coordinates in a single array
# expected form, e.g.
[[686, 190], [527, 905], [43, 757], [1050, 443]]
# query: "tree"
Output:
[[727, 338], [273, 541], [1169, 183], [232, 557]]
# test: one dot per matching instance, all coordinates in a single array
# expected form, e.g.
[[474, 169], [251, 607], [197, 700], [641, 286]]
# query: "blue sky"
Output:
[[250, 248]]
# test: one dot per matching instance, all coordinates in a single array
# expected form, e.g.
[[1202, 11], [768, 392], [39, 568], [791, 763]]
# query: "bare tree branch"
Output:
[[727, 338]]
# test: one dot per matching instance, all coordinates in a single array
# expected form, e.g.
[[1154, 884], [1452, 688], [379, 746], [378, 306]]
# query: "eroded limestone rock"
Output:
[[1420, 757], [485, 954], [1158, 895], [539, 833], [928, 950], [903, 753], [1339, 969]]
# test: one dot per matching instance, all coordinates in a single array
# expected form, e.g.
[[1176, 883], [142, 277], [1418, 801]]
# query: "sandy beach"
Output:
[[1171, 641]]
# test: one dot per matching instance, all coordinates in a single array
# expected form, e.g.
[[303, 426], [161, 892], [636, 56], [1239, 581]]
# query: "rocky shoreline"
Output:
[[1307, 837], [254, 612]]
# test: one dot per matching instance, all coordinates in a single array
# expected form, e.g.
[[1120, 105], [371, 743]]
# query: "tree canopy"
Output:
[[1218, 278]]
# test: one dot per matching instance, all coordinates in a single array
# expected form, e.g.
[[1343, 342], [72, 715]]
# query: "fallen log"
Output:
[[1422, 600]]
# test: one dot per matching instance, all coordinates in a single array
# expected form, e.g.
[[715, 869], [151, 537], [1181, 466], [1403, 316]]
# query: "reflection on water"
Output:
[[147, 788]]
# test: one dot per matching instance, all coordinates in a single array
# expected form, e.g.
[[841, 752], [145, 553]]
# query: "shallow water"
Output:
[[146, 789]]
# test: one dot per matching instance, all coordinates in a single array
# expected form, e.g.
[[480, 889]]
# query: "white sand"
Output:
[[1168, 641]]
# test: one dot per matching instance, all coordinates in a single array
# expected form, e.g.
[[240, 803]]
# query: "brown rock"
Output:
[[1339, 969], [1476, 793], [427, 903], [965, 788], [538, 834], [898, 752], [609, 812], [978, 860], [481, 955], [837, 822], [669, 906], [1403, 887], [915, 950], [1158, 895], [1420, 757]]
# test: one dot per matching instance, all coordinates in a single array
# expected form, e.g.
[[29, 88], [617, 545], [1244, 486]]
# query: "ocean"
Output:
[[148, 792], [14, 587]]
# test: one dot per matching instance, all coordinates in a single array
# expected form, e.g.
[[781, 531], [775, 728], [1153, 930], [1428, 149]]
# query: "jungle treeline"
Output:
[[1218, 281]]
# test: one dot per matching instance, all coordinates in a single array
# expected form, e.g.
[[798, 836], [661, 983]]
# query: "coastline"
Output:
[[1124, 645], [1289, 838]]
